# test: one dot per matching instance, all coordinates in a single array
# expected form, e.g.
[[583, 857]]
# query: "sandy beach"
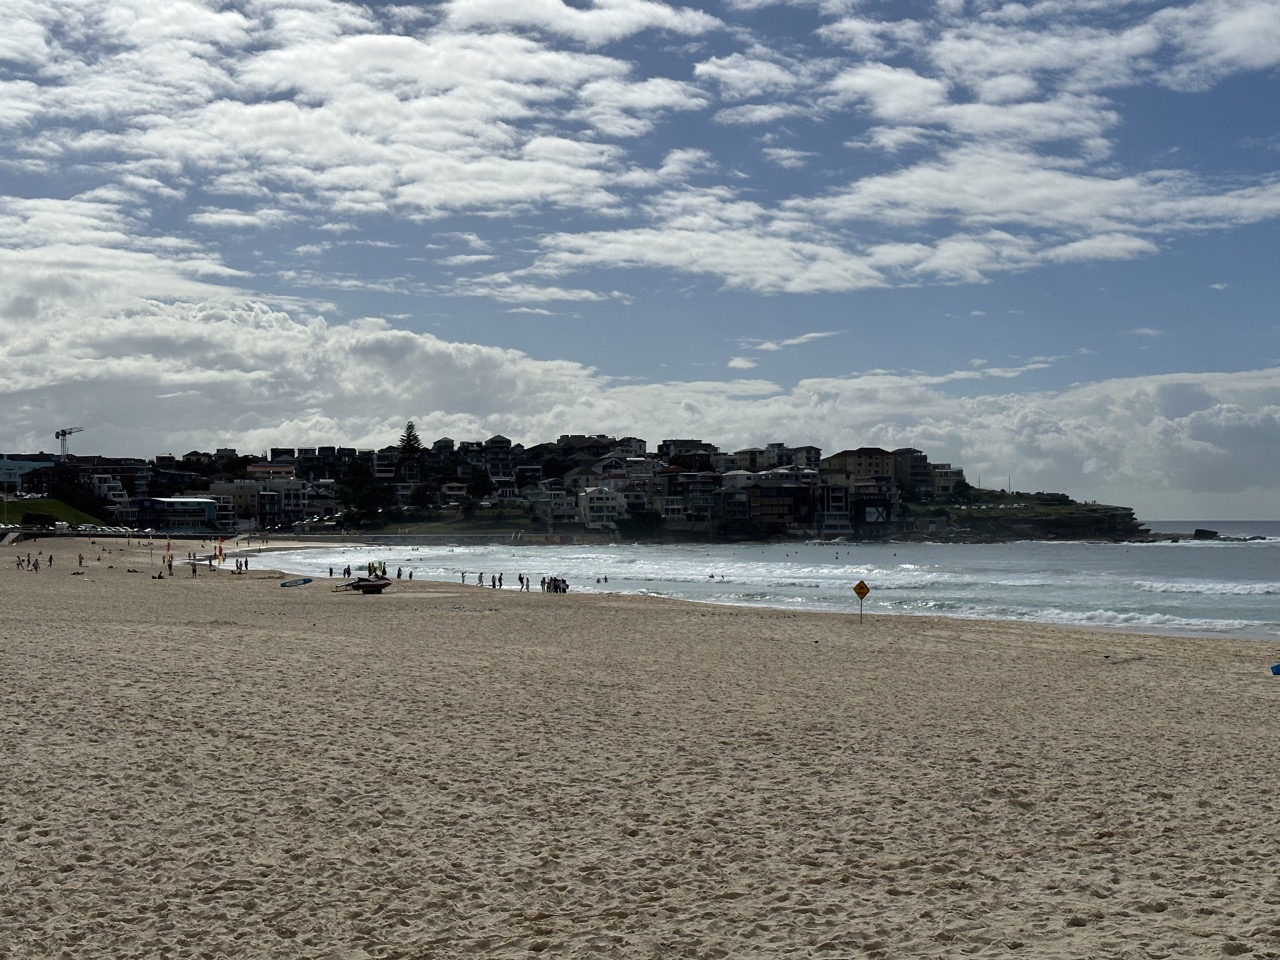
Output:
[[215, 766]]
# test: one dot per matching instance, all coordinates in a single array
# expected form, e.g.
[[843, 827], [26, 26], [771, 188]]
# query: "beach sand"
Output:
[[219, 767]]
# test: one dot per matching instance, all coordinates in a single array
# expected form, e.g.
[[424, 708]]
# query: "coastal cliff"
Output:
[[1070, 521]]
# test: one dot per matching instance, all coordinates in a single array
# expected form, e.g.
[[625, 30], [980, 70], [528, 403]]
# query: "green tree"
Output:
[[81, 500], [363, 497], [480, 486], [410, 442]]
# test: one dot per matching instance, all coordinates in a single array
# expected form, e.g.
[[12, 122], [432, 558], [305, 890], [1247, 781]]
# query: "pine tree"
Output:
[[410, 442]]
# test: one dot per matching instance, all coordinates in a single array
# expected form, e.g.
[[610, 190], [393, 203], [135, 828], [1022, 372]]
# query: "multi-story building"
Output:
[[731, 506], [471, 451], [737, 479], [272, 470], [719, 462], [945, 478], [750, 458], [600, 508], [133, 474], [696, 490], [244, 498], [454, 492], [323, 463], [112, 492], [594, 447], [31, 476], [385, 463], [850, 465], [497, 453], [632, 447], [180, 514], [689, 454], [911, 470], [273, 501], [806, 457], [552, 503], [831, 505], [779, 505]]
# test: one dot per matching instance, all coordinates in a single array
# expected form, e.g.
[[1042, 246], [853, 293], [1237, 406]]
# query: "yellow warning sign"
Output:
[[862, 589]]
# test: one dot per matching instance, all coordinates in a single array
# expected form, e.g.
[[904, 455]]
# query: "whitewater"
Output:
[[1202, 587]]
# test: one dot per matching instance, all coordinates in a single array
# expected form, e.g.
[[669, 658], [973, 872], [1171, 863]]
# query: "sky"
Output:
[[1034, 240]]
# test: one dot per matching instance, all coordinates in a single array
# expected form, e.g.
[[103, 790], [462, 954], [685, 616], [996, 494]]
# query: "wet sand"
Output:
[[220, 767]]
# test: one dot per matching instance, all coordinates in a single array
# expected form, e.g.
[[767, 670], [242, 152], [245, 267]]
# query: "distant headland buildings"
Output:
[[590, 483]]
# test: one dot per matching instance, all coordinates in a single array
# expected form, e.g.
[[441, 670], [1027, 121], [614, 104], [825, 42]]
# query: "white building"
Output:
[[600, 508]]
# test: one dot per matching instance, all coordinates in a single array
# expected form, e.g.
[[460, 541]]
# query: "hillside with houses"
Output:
[[577, 485]]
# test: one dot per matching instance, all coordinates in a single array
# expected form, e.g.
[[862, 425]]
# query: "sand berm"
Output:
[[215, 766]]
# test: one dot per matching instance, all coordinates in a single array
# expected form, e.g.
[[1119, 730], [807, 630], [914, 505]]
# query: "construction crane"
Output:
[[63, 434]]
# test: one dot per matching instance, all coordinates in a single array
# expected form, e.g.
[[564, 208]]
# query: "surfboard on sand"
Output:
[[295, 583]]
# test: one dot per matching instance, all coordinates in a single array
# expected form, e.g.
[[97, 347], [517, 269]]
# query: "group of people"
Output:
[[548, 584], [33, 563]]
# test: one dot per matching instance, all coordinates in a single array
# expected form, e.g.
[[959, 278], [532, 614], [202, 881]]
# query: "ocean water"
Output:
[[1216, 587]]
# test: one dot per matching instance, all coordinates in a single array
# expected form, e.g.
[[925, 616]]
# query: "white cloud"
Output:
[[1219, 37], [892, 93], [873, 38], [787, 158], [504, 288], [605, 21], [1112, 246], [759, 114], [630, 109], [741, 75], [775, 345], [744, 246]]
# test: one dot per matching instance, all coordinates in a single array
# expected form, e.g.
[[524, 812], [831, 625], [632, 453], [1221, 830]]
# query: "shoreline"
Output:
[[266, 549], [1205, 629]]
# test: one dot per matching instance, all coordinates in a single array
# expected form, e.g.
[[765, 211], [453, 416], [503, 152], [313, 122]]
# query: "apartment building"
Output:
[[945, 478], [849, 465], [600, 508]]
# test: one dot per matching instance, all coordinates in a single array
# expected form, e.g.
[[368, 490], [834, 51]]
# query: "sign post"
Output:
[[861, 589]]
